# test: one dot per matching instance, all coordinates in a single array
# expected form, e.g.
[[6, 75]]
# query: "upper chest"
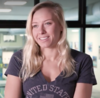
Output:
[[50, 70]]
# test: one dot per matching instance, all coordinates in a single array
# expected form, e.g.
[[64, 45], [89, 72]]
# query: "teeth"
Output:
[[43, 38]]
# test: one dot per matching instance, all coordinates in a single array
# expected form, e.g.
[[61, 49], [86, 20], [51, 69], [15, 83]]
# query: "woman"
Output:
[[47, 67]]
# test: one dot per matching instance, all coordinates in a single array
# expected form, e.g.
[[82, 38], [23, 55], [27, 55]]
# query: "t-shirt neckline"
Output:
[[52, 82]]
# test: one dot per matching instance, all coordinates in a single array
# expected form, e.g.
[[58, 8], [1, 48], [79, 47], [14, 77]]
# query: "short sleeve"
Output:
[[14, 64], [86, 71]]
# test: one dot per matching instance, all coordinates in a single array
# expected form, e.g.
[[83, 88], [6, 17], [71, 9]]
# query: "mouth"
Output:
[[44, 38]]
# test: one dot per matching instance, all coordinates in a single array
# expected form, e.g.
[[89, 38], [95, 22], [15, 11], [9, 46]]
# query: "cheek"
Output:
[[58, 34], [53, 30], [34, 32], [57, 31], [34, 36]]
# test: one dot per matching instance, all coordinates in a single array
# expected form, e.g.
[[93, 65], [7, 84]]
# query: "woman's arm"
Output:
[[13, 88], [83, 90]]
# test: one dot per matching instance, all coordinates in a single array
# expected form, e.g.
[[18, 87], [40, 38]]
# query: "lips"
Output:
[[44, 38]]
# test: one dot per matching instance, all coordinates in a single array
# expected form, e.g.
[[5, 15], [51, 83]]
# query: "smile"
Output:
[[43, 38]]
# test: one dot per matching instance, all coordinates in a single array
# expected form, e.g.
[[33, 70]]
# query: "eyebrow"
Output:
[[44, 21]]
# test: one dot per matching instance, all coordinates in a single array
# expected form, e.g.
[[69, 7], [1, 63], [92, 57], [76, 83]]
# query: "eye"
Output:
[[48, 23], [34, 26]]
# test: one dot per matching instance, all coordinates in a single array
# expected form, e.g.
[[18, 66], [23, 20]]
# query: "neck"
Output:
[[50, 54]]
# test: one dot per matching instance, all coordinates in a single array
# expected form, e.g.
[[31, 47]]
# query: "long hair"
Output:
[[32, 58]]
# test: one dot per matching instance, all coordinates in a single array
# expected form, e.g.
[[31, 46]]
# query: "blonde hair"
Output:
[[32, 58]]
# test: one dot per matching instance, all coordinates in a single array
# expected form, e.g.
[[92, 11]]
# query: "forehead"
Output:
[[43, 13]]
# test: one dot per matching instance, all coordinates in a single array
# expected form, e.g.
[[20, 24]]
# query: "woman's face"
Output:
[[45, 28]]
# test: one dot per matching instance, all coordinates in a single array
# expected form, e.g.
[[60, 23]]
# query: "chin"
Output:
[[44, 46]]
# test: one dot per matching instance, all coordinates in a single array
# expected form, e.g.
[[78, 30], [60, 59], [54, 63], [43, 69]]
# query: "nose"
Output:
[[41, 29]]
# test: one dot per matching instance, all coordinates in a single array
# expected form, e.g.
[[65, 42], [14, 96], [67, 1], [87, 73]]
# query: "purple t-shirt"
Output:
[[38, 87]]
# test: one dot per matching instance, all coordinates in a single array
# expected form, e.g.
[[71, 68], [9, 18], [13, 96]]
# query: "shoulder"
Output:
[[79, 56], [18, 55], [15, 64], [84, 67]]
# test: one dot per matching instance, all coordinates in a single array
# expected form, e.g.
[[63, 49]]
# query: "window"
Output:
[[93, 11], [73, 37], [70, 8], [92, 47], [19, 10]]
